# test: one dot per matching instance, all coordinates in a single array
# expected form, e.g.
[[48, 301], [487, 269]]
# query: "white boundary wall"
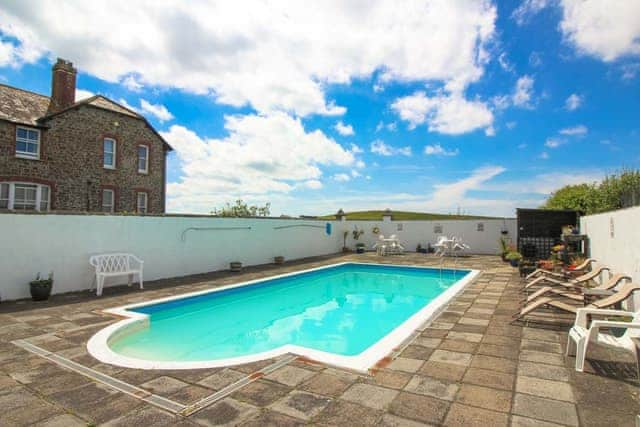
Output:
[[32, 243], [412, 233], [614, 240]]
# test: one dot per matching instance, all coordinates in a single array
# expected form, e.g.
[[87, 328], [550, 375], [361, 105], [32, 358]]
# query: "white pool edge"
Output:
[[98, 346]]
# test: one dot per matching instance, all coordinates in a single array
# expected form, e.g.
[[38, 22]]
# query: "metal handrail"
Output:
[[299, 225], [183, 236]]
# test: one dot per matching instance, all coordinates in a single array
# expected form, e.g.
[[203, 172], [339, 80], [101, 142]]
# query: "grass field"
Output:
[[404, 216]]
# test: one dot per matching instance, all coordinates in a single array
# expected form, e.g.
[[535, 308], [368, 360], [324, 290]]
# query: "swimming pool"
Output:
[[348, 314]]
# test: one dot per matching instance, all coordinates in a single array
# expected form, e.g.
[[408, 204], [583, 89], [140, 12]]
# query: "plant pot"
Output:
[[235, 266], [360, 249], [504, 257], [514, 262], [40, 289], [278, 260]]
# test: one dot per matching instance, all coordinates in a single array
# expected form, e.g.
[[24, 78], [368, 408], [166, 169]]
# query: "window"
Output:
[[108, 199], [109, 153], [142, 202], [27, 143], [480, 226], [143, 159], [4, 195], [24, 196]]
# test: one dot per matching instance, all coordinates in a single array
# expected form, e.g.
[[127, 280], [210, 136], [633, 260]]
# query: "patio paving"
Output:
[[469, 366]]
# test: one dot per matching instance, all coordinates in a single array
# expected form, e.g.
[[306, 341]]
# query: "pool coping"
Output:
[[98, 346]]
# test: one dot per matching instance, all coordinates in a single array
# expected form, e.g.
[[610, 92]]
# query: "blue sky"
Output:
[[426, 105]]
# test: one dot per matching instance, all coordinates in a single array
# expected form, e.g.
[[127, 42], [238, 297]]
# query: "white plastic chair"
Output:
[[580, 335], [441, 245], [380, 246]]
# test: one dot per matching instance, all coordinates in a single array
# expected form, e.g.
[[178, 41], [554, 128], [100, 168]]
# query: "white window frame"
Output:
[[146, 159], [26, 154], [145, 209], [38, 204], [113, 200], [115, 150]]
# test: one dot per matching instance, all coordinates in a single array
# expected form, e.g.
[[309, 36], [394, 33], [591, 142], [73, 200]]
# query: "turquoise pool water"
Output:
[[342, 310]]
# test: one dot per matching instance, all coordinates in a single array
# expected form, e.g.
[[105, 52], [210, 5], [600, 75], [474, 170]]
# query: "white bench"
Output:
[[120, 264]]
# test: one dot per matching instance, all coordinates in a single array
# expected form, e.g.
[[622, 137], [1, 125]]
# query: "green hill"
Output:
[[404, 216]]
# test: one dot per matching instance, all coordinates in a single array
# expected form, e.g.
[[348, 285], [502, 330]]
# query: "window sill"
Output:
[[143, 172], [27, 157], [109, 168]]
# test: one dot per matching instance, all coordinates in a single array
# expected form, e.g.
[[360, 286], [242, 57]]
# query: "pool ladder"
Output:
[[455, 264]]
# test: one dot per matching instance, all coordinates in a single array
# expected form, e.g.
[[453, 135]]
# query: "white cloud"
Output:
[[341, 177], [523, 92], [83, 94], [313, 184], [131, 83], [522, 146], [379, 147], [262, 155], [504, 62], [272, 56], [355, 149], [453, 194], [527, 9], [602, 28], [344, 130], [444, 113], [575, 130], [391, 127], [573, 102], [535, 59], [158, 111], [554, 142], [438, 150], [544, 155], [125, 103], [511, 125]]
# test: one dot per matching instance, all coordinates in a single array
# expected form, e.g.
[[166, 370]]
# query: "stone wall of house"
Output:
[[71, 160]]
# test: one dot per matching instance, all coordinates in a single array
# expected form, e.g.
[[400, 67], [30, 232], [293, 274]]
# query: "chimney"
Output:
[[63, 85]]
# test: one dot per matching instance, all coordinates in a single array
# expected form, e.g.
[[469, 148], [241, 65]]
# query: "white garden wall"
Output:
[[614, 240], [412, 233], [63, 243]]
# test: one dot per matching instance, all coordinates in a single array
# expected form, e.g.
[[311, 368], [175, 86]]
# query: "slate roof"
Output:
[[21, 106], [30, 108]]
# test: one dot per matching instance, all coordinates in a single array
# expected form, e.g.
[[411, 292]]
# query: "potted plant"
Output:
[[278, 260], [41, 288], [514, 258], [419, 248], [235, 266], [345, 249], [356, 235], [504, 249]]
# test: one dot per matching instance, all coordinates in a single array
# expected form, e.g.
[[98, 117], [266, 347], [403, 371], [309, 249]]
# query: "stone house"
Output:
[[93, 155]]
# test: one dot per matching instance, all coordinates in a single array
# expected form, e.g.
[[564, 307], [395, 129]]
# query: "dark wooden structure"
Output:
[[540, 229]]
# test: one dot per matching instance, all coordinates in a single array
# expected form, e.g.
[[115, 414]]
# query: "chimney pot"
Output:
[[63, 85]]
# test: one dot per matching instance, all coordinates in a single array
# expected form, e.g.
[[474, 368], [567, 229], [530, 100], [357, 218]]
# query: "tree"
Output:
[[615, 191], [241, 209], [579, 197]]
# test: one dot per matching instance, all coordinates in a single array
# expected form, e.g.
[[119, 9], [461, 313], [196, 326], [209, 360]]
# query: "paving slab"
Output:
[[484, 397], [290, 375], [545, 409], [469, 416], [545, 388], [300, 404], [369, 395], [419, 408], [432, 387], [451, 357]]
